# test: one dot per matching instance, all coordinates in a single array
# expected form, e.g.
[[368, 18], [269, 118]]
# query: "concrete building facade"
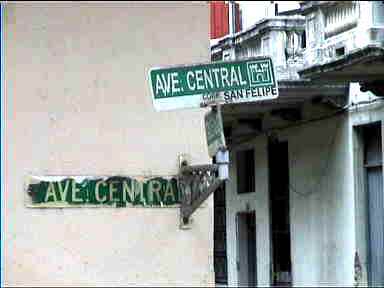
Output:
[[78, 103], [314, 190], [304, 200]]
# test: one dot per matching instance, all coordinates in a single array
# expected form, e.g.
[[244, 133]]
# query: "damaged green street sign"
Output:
[[185, 86], [116, 191], [214, 131]]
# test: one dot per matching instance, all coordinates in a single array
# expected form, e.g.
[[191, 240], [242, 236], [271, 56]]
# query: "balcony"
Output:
[[280, 37], [284, 39], [345, 37], [340, 18]]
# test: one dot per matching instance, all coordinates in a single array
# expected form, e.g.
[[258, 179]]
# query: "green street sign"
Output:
[[185, 86], [214, 131], [116, 191]]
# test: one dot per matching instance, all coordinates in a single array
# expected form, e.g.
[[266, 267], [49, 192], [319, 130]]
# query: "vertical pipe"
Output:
[[231, 16], [237, 18], [225, 19]]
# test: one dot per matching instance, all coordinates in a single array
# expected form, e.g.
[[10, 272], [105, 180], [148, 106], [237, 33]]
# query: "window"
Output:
[[245, 171], [303, 40], [340, 51], [220, 237], [373, 164], [279, 213]]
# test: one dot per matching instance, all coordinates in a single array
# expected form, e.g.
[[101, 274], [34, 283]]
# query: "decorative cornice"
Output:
[[277, 23], [367, 53]]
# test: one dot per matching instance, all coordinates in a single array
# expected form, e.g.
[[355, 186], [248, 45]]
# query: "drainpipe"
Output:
[[276, 9], [232, 26], [232, 19]]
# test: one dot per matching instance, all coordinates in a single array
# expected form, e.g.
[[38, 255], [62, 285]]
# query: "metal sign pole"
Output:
[[222, 155], [201, 181]]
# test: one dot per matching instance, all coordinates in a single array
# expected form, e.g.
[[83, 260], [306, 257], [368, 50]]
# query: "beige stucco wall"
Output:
[[78, 103]]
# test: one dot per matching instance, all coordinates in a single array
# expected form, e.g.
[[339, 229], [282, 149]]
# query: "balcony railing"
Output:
[[341, 18]]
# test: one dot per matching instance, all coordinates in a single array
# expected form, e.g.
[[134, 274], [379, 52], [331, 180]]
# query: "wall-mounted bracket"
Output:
[[198, 182]]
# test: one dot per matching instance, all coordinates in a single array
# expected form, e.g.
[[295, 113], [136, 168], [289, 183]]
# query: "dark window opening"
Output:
[[220, 237], [303, 40], [373, 164], [246, 249], [372, 145], [340, 51], [245, 171], [279, 213]]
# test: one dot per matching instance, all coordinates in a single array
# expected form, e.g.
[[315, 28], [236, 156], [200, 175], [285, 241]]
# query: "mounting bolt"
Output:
[[183, 159], [185, 223]]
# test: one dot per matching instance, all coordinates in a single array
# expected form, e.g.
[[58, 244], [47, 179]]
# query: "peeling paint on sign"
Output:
[[115, 191]]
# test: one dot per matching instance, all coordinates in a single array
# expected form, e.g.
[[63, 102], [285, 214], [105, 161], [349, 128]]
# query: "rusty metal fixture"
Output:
[[196, 183]]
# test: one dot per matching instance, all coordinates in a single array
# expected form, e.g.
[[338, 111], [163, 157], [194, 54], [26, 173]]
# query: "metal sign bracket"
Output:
[[198, 182]]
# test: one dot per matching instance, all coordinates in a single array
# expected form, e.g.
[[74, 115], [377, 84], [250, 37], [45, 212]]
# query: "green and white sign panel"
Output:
[[214, 132], [179, 87], [102, 191]]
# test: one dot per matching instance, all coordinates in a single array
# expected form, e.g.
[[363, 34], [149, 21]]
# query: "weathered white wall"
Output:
[[359, 116], [78, 103], [258, 202], [322, 204]]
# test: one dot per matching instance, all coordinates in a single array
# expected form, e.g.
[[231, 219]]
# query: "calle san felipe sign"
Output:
[[184, 86]]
